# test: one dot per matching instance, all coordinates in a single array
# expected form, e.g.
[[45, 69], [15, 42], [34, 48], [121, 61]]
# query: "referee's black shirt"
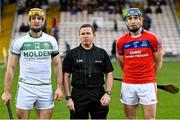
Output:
[[87, 66]]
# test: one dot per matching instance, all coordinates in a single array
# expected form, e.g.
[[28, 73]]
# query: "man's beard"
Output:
[[36, 30], [134, 29]]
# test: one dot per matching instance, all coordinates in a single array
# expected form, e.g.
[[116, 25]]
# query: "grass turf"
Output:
[[167, 108]]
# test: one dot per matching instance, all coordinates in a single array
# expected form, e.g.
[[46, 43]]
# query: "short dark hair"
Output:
[[87, 25]]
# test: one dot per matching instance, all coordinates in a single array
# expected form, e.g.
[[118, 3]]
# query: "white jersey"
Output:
[[35, 57]]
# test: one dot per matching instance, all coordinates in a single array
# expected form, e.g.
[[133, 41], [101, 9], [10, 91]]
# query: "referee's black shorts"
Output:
[[87, 100]]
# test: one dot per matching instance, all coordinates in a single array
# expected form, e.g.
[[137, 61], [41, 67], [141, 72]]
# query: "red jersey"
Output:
[[138, 57]]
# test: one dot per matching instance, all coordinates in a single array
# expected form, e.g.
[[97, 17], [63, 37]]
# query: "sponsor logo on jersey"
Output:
[[36, 50], [36, 54], [137, 44]]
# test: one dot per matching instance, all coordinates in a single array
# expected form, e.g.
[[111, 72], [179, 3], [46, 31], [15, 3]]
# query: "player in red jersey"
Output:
[[140, 55]]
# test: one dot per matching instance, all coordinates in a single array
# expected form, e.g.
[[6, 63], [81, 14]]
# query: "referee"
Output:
[[88, 64]]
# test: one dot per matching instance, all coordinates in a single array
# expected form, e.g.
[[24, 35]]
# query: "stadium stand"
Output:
[[164, 24], [70, 24]]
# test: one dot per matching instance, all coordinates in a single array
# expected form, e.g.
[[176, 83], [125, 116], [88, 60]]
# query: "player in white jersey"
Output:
[[34, 51]]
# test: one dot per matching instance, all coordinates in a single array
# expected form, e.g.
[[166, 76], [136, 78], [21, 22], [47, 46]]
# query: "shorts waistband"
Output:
[[35, 84]]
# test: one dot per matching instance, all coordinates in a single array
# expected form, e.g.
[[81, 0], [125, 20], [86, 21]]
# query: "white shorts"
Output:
[[38, 96], [133, 94]]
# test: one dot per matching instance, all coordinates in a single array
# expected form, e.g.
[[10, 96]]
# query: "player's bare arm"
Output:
[[58, 73], [11, 66], [158, 58], [120, 60]]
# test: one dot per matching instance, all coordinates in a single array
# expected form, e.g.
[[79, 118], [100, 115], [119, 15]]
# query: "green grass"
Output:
[[168, 106]]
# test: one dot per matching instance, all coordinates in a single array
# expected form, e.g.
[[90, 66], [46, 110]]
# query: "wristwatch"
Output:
[[108, 92], [67, 97]]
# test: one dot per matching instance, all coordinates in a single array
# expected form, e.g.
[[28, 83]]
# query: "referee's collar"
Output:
[[93, 47]]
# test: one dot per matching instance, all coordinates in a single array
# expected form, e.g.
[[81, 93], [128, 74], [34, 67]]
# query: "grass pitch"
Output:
[[168, 106]]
